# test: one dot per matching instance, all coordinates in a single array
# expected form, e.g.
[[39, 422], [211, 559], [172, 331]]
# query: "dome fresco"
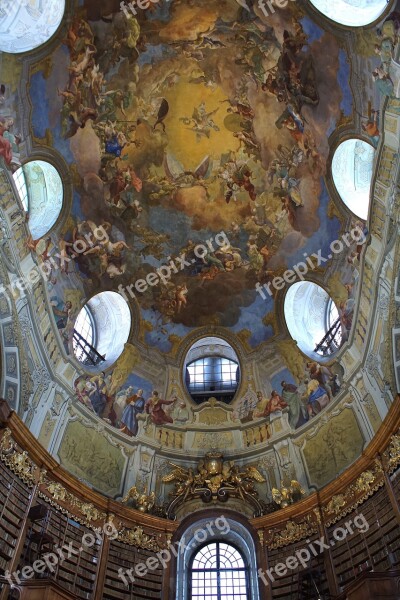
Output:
[[201, 177]]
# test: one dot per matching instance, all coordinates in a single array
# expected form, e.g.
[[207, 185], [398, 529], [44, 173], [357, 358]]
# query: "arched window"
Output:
[[101, 330], [212, 369], [236, 552], [353, 13], [218, 572], [352, 168], [41, 192], [27, 25], [313, 319]]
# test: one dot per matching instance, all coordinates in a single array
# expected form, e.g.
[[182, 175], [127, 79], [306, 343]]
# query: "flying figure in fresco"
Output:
[[201, 121], [236, 175]]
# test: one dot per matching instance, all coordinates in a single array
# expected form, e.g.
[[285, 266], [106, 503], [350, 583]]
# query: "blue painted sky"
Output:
[[312, 30], [328, 231], [250, 318], [152, 53], [157, 337], [343, 80], [283, 375], [139, 383]]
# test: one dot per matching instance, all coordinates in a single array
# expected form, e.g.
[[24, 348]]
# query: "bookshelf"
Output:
[[125, 556], [376, 549], [14, 501], [295, 583]]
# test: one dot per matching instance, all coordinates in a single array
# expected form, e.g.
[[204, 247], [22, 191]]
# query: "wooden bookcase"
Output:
[[289, 586], [75, 573], [14, 501], [126, 557], [377, 549]]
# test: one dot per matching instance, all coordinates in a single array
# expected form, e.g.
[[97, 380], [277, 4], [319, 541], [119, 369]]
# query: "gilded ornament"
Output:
[[364, 482], [91, 513], [57, 491], [336, 504], [288, 494], [215, 479], [6, 443], [142, 501], [137, 537], [293, 532], [394, 452]]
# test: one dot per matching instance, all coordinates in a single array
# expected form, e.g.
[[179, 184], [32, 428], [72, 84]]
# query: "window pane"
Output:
[[84, 327], [212, 374], [218, 572]]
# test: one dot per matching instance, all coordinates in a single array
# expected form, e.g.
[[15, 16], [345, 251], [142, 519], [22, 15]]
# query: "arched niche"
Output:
[[224, 528]]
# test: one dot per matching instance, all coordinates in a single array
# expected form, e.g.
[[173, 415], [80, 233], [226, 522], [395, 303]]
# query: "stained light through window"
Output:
[[27, 24], [312, 319]]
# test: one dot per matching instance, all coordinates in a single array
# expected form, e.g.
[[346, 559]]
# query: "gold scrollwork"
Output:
[[137, 537], [392, 453], [16, 460], [293, 532], [336, 504]]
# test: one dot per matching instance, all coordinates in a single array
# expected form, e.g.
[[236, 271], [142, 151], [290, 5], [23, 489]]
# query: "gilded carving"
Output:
[[16, 460], [287, 494], [142, 501], [293, 532], [364, 482], [215, 479], [336, 504], [57, 491], [392, 453], [137, 537]]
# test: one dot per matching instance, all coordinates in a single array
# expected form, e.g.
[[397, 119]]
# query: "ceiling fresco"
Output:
[[196, 138], [198, 146], [196, 120]]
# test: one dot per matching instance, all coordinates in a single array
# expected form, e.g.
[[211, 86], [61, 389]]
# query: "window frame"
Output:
[[20, 184], [218, 570], [337, 339], [218, 365], [83, 357]]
